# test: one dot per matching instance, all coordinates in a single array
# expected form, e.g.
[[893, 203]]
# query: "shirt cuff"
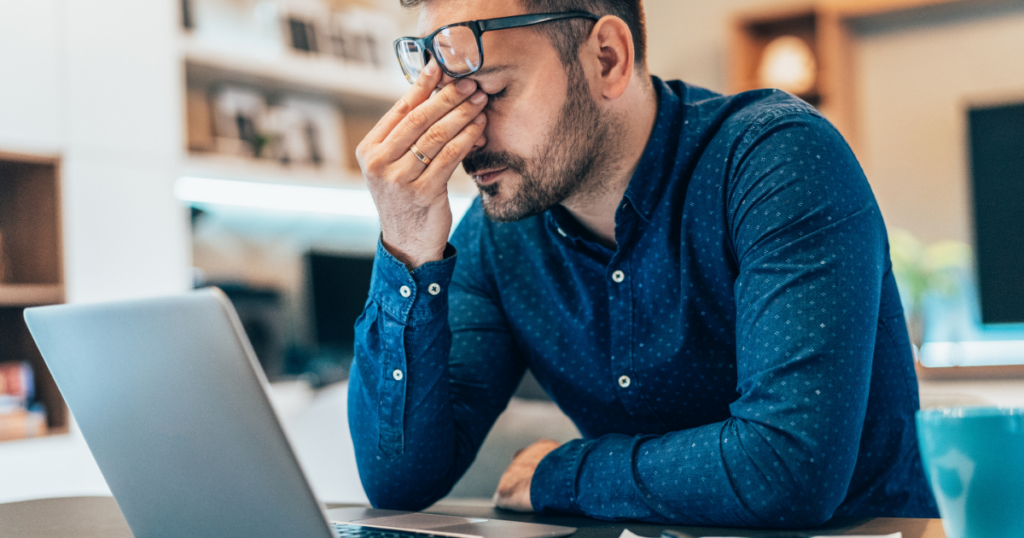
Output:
[[411, 297], [553, 487]]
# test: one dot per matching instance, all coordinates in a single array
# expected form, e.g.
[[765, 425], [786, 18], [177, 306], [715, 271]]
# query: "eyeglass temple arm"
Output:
[[529, 20]]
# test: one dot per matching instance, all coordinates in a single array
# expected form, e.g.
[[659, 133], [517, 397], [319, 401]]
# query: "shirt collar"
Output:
[[655, 169]]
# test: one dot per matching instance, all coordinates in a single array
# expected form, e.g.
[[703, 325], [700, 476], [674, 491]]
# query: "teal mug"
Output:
[[974, 460]]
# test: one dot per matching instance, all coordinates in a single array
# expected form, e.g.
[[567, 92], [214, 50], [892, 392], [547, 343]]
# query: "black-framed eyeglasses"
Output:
[[457, 47]]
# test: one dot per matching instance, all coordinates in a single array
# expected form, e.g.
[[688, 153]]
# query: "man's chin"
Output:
[[499, 208]]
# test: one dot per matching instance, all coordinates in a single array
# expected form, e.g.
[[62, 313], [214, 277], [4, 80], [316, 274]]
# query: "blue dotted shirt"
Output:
[[740, 359]]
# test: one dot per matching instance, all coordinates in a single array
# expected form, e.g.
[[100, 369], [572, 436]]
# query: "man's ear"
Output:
[[611, 45]]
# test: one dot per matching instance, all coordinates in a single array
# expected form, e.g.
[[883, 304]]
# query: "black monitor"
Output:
[[338, 288], [997, 173]]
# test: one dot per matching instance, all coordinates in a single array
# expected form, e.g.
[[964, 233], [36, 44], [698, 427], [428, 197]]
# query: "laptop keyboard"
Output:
[[348, 530]]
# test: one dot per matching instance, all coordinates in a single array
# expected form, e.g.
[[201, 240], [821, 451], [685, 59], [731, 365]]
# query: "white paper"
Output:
[[626, 533]]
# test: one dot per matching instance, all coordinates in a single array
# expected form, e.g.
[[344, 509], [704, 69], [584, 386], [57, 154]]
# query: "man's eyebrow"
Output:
[[491, 69]]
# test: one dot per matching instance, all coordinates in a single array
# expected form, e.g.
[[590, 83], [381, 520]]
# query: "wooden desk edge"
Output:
[[88, 517]]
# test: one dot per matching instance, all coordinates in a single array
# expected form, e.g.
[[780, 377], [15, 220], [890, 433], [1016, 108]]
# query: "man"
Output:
[[700, 282]]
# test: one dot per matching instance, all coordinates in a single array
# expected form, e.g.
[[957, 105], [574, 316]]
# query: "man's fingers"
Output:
[[443, 165], [448, 127], [421, 118], [417, 94]]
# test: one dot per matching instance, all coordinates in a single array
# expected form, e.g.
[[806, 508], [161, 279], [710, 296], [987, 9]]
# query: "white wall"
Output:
[[98, 82], [688, 39], [30, 76]]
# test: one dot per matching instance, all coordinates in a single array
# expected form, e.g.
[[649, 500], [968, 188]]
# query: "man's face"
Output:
[[544, 131]]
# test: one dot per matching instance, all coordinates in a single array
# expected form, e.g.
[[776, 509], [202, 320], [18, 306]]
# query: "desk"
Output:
[[99, 517]]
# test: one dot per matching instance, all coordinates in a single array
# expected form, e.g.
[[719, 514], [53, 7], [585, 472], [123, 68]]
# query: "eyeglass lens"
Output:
[[410, 55], [457, 49]]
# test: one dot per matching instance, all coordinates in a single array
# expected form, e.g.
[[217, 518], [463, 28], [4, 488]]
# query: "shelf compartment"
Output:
[[30, 238], [16, 344]]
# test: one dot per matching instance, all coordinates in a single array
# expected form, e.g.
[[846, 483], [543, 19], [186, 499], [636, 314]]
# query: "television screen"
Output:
[[997, 173], [339, 286]]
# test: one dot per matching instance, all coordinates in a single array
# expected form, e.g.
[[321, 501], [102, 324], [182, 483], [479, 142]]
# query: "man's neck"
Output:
[[596, 210]]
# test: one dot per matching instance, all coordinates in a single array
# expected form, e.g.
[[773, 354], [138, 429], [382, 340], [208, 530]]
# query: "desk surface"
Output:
[[99, 517]]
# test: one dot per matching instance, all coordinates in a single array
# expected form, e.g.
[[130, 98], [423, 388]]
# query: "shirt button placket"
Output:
[[621, 330]]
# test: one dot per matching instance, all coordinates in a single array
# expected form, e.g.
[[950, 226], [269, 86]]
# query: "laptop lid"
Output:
[[172, 403]]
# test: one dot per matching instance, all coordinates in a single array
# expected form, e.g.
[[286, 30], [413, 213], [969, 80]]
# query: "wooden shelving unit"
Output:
[[827, 27], [31, 260]]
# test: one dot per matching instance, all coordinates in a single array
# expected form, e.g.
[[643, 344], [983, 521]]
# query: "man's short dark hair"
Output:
[[568, 35]]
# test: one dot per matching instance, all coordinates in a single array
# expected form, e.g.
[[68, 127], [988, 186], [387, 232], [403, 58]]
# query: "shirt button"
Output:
[[397, 374], [434, 288], [623, 381], [618, 276], [405, 291]]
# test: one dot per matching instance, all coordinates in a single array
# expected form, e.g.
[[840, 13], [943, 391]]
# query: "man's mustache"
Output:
[[479, 161]]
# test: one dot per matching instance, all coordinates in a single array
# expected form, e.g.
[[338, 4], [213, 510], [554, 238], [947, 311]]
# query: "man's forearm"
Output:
[[423, 392], [399, 408]]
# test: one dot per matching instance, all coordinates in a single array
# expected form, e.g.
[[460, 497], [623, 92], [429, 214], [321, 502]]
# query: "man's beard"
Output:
[[569, 165]]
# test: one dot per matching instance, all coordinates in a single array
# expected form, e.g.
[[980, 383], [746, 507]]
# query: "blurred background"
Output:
[[149, 147]]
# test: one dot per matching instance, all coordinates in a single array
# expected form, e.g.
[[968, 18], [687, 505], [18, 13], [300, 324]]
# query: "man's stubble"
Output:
[[570, 166]]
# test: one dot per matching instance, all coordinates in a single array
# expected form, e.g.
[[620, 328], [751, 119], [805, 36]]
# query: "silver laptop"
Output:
[[173, 405]]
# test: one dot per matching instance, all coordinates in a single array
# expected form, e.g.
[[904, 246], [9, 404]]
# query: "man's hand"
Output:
[[514, 488], [412, 197]]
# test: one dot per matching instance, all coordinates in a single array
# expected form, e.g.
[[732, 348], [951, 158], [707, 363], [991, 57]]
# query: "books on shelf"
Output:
[[17, 419], [353, 35]]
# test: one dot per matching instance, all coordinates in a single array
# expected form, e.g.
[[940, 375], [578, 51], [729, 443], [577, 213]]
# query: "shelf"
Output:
[[212, 166], [21, 295], [293, 72]]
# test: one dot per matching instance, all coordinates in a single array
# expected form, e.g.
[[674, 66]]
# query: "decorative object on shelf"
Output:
[[779, 50], [308, 131], [238, 114], [16, 385], [363, 36], [17, 388], [293, 130], [249, 25], [788, 63], [920, 270], [305, 22]]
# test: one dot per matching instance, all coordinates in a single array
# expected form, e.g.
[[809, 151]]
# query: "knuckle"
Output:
[[401, 107], [450, 153], [436, 136], [416, 118], [374, 167]]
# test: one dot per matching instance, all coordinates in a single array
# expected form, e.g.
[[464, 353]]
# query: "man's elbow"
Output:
[[394, 498], [798, 504]]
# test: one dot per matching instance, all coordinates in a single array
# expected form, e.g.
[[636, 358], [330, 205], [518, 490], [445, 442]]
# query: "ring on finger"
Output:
[[420, 155]]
